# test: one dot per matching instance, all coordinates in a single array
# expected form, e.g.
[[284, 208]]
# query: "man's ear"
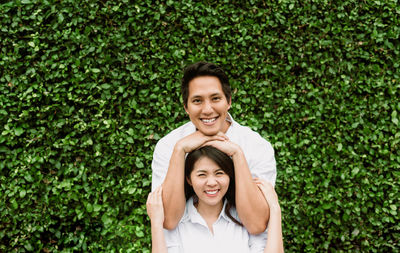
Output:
[[184, 106], [230, 103]]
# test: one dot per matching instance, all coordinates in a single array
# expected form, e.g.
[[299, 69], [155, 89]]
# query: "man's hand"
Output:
[[197, 139], [225, 146]]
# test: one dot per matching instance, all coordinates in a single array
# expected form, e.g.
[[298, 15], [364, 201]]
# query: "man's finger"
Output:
[[222, 135], [216, 138], [210, 142]]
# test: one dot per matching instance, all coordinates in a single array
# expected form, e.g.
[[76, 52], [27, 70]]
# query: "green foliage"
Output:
[[88, 87]]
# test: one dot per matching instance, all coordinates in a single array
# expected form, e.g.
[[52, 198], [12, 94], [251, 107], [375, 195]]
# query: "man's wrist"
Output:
[[179, 149], [237, 153]]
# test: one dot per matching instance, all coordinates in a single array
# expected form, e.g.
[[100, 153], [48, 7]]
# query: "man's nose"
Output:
[[207, 107]]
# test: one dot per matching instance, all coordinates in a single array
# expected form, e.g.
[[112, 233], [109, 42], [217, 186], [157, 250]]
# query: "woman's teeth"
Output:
[[212, 192]]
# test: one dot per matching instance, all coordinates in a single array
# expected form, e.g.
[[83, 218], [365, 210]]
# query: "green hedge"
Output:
[[88, 87]]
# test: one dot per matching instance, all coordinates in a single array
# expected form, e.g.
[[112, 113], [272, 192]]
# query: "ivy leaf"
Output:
[[18, 131], [22, 193], [395, 120]]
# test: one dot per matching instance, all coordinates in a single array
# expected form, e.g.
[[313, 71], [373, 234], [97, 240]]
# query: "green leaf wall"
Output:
[[87, 88]]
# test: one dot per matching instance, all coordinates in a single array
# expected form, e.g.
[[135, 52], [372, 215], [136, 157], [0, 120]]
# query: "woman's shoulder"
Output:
[[189, 212], [234, 213]]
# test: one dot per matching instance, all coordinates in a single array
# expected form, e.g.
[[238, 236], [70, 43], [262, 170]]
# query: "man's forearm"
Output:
[[173, 190], [251, 205]]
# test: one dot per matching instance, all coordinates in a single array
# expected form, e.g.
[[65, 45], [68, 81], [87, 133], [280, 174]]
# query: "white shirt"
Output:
[[192, 234], [258, 152]]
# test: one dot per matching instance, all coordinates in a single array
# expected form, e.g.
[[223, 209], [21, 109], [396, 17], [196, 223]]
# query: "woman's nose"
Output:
[[211, 181]]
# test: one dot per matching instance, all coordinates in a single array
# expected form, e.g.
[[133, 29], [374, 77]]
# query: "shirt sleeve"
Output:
[[172, 241], [161, 156], [257, 242], [262, 163]]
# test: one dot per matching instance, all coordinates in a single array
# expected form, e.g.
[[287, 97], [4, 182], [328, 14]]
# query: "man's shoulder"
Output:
[[178, 133], [247, 134]]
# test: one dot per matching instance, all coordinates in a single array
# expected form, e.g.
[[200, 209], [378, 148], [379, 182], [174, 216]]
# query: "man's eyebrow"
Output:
[[212, 95], [216, 94]]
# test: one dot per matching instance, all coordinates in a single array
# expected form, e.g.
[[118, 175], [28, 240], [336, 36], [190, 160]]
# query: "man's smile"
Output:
[[208, 120]]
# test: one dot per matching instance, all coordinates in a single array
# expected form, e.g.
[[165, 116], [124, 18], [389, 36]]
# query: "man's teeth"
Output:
[[212, 192], [208, 120]]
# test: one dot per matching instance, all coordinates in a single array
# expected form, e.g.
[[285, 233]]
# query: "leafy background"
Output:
[[87, 88]]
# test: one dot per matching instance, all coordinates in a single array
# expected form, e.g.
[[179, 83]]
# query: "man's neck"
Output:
[[226, 126]]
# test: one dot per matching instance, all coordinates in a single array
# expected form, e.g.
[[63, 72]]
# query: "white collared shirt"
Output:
[[192, 234], [258, 152]]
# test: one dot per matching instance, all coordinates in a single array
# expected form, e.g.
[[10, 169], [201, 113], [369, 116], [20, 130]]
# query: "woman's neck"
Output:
[[209, 213]]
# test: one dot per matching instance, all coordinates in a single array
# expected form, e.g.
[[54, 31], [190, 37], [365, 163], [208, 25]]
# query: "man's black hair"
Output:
[[204, 69]]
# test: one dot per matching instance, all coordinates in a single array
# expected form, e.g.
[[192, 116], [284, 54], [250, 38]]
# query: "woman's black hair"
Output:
[[224, 162]]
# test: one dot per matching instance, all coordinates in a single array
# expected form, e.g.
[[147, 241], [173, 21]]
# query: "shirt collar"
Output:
[[231, 126], [223, 214], [193, 215]]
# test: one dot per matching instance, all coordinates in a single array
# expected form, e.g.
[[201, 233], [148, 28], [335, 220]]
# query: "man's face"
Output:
[[207, 105]]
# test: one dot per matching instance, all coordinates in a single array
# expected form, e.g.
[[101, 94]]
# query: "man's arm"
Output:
[[165, 160], [173, 189], [251, 205]]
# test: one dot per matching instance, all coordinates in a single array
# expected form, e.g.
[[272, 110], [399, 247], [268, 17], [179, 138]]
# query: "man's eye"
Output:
[[216, 98], [196, 101]]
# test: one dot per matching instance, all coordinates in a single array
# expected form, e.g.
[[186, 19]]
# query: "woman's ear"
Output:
[[188, 181]]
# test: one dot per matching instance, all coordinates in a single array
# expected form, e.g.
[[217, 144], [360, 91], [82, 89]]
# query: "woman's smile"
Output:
[[212, 193]]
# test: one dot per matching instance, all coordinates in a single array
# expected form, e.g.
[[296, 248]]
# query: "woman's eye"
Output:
[[216, 98], [196, 101]]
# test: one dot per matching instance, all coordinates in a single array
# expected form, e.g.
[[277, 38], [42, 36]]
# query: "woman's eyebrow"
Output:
[[200, 170]]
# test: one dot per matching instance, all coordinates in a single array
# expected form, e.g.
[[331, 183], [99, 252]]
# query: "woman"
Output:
[[210, 222]]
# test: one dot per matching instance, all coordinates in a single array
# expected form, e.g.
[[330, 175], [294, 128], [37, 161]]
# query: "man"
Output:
[[207, 99]]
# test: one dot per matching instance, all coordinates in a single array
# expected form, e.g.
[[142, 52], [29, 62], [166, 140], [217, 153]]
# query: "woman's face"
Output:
[[209, 182]]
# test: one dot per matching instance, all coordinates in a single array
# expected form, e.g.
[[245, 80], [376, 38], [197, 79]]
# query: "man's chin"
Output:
[[208, 132]]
